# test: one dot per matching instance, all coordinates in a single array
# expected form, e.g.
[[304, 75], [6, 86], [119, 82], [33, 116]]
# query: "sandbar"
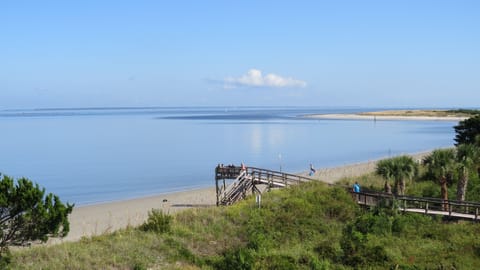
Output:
[[415, 115], [384, 117]]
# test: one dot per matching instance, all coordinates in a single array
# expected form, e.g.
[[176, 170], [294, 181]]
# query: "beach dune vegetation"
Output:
[[158, 221], [309, 226]]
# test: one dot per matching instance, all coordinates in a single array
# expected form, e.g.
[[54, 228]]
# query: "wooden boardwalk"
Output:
[[234, 184], [422, 205], [249, 181]]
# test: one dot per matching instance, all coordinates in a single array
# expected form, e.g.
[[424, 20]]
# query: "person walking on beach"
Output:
[[356, 187], [312, 170]]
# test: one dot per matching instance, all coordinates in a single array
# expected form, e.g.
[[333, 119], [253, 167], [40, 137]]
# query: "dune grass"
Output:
[[310, 226]]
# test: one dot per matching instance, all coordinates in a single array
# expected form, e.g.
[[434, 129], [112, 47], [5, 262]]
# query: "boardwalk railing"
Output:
[[275, 178], [248, 181], [423, 205]]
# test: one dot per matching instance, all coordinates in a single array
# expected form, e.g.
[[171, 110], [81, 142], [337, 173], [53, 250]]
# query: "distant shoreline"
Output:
[[402, 115]]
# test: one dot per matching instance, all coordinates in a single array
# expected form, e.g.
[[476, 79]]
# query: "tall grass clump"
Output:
[[157, 221]]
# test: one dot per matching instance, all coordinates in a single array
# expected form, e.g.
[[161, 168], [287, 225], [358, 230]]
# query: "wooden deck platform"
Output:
[[234, 183]]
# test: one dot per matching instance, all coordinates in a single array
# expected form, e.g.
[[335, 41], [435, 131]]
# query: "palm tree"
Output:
[[440, 163], [399, 169], [467, 156], [385, 168], [408, 169]]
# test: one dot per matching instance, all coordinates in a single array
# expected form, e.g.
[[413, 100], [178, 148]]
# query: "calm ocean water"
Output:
[[104, 154]]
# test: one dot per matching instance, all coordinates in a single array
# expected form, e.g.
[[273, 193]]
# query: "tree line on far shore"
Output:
[[443, 166]]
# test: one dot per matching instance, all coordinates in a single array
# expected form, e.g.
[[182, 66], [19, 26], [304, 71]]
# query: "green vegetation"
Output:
[[468, 131], [27, 215], [465, 112], [399, 169], [157, 221], [311, 226], [440, 164]]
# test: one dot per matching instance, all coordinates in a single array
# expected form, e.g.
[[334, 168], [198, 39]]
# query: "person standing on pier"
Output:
[[356, 187]]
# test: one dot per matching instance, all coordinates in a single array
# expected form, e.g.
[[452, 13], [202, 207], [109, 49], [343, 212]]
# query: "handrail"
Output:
[[420, 199], [230, 188], [452, 208], [279, 174], [245, 179]]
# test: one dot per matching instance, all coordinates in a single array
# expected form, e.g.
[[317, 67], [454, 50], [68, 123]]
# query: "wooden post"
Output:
[[217, 169], [426, 208], [449, 209], [476, 213]]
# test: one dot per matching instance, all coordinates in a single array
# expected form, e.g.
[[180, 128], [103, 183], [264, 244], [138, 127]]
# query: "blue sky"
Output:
[[233, 53]]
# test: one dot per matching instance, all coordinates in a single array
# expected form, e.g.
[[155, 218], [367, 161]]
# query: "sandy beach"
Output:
[[102, 218], [332, 175], [383, 117]]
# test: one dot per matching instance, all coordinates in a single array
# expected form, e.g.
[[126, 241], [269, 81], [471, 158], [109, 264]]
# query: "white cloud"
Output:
[[255, 78]]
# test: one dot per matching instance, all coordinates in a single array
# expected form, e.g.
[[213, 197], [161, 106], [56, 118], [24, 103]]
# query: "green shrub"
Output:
[[157, 221], [5, 259], [356, 245], [277, 262], [139, 267], [328, 250], [237, 259]]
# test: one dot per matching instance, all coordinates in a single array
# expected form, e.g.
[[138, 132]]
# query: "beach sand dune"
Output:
[[103, 218]]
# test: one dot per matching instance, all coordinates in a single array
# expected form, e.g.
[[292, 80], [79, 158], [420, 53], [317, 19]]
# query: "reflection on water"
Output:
[[93, 155]]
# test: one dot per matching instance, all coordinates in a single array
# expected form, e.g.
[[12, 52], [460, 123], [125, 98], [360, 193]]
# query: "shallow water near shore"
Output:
[[92, 155]]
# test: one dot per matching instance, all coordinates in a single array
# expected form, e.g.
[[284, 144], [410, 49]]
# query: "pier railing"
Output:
[[247, 180]]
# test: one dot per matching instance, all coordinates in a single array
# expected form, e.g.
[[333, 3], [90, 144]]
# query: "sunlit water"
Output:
[[96, 155]]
